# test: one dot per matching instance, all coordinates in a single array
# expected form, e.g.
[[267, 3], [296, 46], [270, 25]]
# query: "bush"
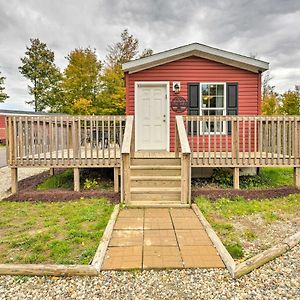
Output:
[[90, 184], [222, 177]]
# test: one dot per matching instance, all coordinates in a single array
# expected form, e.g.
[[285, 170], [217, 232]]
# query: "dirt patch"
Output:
[[28, 192], [266, 234], [214, 194]]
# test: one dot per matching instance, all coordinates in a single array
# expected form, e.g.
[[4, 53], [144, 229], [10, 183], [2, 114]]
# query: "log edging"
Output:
[[101, 250], [267, 255], [224, 254], [66, 270], [238, 270]]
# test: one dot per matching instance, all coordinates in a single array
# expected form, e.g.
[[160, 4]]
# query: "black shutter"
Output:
[[194, 103], [232, 102]]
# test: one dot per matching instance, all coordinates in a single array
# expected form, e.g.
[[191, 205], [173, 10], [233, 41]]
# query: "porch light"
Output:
[[176, 87]]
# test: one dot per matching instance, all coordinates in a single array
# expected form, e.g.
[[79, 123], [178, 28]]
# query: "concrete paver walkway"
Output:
[[158, 238]]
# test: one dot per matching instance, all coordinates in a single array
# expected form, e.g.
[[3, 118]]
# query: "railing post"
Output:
[[235, 139], [186, 178], [76, 180], [176, 141], [236, 178], [14, 180], [297, 177], [11, 142], [185, 161], [126, 152]]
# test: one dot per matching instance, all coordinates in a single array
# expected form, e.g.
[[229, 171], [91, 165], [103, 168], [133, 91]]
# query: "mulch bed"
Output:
[[214, 194], [28, 192]]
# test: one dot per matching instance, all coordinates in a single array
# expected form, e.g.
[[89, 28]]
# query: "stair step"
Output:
[[158, 204], [155, 161], [154, 167], [155, 197], [155, 190], [154, 178]]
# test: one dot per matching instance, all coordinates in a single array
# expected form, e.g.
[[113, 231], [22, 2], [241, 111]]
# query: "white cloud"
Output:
[[269, 29]]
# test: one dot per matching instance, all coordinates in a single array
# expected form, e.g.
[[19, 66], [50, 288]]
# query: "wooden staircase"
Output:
[[155, 181]]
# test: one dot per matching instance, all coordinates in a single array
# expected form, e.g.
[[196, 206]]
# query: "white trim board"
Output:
[[154, 83], [200, 50]]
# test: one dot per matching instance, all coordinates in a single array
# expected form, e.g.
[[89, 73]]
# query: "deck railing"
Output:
[[249, 141], [66, 141]]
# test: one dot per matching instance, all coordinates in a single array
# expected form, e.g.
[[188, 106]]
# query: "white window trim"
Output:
[[213, 108]]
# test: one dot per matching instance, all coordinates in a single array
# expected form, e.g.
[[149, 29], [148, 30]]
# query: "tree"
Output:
[[270, 99], [290, 103], [81, 78], [122, 51], [112, 97], [38, 66], [146, 52], [3, 95]]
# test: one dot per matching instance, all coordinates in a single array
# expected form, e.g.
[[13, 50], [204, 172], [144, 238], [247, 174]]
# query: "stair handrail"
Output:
[[181, 138], [128, 136]]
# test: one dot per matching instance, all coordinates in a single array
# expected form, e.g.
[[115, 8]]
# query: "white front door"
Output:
[[151, 117]]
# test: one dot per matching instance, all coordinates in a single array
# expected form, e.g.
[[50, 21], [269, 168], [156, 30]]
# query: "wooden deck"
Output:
[[101, 158], [108, 141]]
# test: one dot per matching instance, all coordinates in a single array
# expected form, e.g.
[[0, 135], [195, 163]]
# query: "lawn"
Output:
[[95, 179], [268, 177], [247, 227], [44, 232]]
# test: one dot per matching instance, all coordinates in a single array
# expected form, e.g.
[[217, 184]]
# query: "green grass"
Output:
[[277, 176], [60, 180], [268, 177], [61, 232], [95, 179], [221, 213]]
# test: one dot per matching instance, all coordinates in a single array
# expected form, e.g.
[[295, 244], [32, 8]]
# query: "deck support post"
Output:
[[76, 180], [51, 172], [116, 179], [236, 178], [126, 177], [14, 180], [297, 177]]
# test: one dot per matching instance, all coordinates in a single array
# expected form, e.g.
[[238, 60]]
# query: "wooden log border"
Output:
[[100, 253], [237, 271], [267, 255], [224, 254], [66, 270]]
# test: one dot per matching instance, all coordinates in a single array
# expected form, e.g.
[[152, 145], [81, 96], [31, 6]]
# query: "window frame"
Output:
[[201, 109]]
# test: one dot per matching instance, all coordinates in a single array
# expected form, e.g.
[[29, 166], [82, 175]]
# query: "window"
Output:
[[212, 103]]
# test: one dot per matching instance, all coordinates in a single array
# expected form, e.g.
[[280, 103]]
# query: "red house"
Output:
[[190, 80]]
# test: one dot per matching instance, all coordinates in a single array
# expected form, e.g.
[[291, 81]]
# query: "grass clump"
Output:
[[60, 232]]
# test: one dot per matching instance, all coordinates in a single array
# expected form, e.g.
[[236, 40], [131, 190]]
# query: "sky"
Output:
[[268, 29]]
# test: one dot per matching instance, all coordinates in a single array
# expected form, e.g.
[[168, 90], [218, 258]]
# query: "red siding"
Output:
[[2, 129], [195, 69]]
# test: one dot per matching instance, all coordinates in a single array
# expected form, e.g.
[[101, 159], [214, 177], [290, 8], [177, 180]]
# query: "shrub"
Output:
[[90, 184], [222, 177]]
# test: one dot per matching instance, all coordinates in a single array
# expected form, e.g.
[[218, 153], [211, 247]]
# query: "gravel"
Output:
[[279, 279]]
